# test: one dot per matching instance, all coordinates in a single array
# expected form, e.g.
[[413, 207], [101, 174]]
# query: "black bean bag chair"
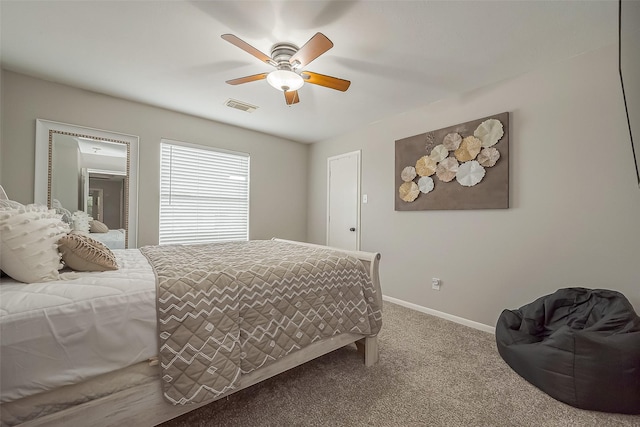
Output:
[[580, 346]]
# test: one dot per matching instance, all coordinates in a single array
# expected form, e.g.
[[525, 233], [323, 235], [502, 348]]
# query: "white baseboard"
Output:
[[451, 317]]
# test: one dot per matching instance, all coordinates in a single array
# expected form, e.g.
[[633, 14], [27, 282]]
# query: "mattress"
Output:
[[86, 324]]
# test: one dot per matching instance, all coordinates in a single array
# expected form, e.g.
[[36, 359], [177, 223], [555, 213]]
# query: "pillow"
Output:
[[28, 237], [98, 227], [6, 204], [82, 253], [80, 221], [66, 215]]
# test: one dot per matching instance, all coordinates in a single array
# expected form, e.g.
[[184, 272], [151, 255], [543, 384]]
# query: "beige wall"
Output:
[[24, 99], [574, 210], [575, 203]]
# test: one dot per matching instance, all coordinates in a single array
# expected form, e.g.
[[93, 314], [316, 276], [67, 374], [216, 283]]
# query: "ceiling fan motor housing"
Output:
[[281, 53]]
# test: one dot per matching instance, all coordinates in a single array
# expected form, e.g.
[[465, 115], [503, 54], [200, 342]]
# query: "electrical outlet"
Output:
[[435, 284]]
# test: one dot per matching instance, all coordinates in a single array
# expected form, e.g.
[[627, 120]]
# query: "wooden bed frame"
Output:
[[144, 405]]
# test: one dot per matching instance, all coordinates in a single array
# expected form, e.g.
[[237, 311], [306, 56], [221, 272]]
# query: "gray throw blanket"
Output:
[[227, 309]]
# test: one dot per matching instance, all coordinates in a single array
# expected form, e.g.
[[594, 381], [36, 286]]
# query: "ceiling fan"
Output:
[[289, 59]]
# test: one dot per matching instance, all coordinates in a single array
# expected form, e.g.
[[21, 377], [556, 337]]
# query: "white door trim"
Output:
[[359, 162]]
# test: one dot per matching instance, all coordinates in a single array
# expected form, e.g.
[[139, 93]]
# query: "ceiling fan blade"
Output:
[[316, 46], [291, 97], [248, 79], [247, 48], [326, 81]]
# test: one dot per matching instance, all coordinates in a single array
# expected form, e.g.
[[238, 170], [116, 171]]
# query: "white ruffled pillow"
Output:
[[81, 221], [28, 242], [66, 215]]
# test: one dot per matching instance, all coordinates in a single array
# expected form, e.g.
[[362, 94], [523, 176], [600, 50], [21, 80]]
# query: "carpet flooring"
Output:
[[432, 372]]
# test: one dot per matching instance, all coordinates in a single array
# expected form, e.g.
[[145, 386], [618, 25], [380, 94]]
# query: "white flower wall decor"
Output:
[[464, 166], [425, 184], [439, 153], [489, 132], [408, 174], [470, 173]]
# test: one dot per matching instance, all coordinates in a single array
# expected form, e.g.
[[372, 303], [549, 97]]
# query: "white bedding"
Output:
[[65, 331], [113, 239]]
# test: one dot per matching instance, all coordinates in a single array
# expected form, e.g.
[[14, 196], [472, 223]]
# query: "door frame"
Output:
[[358, 153], [100, 216]]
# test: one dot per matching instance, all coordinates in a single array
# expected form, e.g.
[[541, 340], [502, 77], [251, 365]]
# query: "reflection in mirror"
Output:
[[93, 171], [103, 196]]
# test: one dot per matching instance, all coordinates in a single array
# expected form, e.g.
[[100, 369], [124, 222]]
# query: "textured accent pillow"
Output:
[[80, 221], [98, 227], [82, 253], [66, 215], [28, 237], [7, 205]]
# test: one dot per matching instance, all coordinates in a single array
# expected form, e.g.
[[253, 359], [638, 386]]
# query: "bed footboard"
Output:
[[367, 346], [371, 261], [144, 405]]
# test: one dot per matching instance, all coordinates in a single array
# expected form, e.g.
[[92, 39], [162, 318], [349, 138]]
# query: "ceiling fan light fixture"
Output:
[[285, 80]]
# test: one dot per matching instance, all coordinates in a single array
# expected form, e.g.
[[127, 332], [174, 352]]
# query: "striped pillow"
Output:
[[82, 253], [98, 227]]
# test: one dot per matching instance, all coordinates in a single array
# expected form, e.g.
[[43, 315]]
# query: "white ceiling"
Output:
[[399, 55]]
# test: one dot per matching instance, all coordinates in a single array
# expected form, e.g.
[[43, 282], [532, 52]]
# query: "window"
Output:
[[204, 194]]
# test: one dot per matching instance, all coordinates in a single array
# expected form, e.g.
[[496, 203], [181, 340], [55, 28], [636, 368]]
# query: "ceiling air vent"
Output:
[[239, 105]]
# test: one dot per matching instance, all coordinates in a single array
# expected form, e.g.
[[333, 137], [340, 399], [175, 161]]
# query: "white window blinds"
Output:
[[204, 194]]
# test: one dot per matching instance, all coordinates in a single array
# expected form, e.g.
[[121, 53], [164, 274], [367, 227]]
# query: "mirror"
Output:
[[90, 170], [629, 65]]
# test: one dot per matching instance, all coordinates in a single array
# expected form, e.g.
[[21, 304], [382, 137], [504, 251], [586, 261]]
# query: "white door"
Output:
[[343, 201]]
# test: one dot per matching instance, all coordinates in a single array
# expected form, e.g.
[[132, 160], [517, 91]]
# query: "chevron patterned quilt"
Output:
[[227, 309]]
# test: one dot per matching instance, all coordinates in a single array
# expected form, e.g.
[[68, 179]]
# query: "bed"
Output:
[[83, 350]]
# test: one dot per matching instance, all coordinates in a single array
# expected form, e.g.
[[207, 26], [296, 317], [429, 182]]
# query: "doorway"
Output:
[[343, 201], [104, 195], [94, 204]]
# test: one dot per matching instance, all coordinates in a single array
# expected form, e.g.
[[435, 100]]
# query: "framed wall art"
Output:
[[465, 166]]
